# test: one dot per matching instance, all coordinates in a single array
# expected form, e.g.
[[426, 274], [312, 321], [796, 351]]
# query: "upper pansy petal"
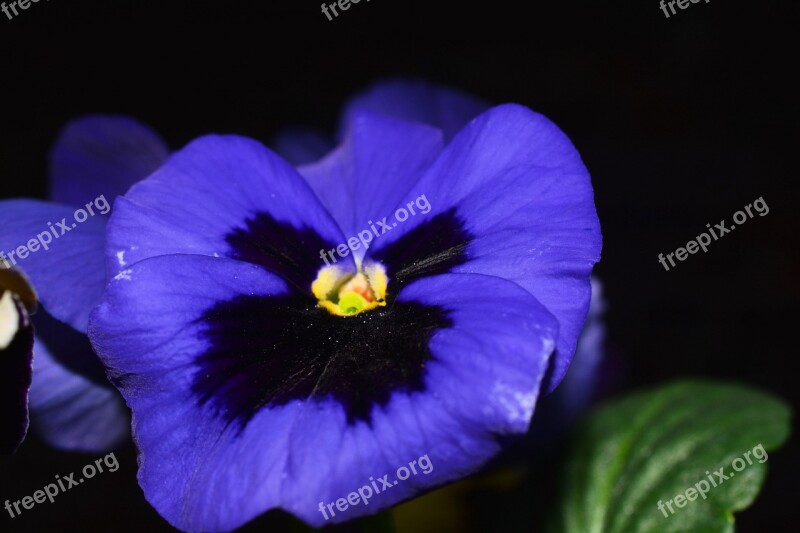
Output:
[[365, 177], [205, 470], [223, 196], [524, 208], [301, 146], [16, 354], [63, 258], [102, 155], [419, 101]]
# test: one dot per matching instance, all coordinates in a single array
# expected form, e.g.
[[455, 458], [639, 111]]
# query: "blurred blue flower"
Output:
[[71, 402]]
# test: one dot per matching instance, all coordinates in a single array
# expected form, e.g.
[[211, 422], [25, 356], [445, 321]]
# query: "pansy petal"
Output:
[[417, 101], [204, 473], [301, 146], [372, 170], [195, 467], [62, 258], [482, 383], [16, 354], [223, 196], [72, 411], [102, 155], [520, 206]]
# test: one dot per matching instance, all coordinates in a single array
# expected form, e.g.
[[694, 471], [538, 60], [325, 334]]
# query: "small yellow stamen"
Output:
[[343, 293]]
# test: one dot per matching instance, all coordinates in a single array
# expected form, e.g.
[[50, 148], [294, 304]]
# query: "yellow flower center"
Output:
[[343, 293]]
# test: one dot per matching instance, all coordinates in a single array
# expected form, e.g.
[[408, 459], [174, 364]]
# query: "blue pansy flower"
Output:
[[17, 299], [285, 337], [61, 249]]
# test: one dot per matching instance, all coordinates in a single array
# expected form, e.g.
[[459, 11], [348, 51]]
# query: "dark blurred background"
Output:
[[682, 122]]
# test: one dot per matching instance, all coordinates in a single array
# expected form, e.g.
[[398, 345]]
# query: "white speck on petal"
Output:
[[124, 275], [518, 406], [121, 258]]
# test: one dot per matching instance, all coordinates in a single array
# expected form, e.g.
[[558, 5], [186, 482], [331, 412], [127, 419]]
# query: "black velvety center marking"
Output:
[[291, 253], [15, 379], [434, 247], [268, 351]]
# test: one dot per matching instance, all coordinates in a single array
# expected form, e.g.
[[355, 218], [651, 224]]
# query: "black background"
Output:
[[681, 121]]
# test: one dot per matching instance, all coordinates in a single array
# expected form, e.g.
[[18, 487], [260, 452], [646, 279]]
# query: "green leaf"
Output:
[[654, 445]]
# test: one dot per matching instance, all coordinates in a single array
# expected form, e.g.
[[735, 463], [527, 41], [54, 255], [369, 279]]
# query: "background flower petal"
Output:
[[69, 410], [418, 101], [302, 145], [69, 274], [557, 411], [102, 155]]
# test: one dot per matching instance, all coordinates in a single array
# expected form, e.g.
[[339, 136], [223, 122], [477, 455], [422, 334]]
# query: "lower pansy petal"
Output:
[[62, 256], [102, 155], [227, 432], [481, 381]]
